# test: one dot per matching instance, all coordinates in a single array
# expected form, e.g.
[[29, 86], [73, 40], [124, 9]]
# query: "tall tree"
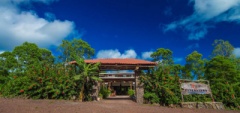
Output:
[[27, 54], [163, 55], [224, 78], [186, 73], [222, 48], [161, 86], [24, 57], [195, 64], [46, 56], [177, 70], [75, 47]]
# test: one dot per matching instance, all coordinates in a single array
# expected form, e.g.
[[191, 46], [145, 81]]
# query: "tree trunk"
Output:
[[81, 95]]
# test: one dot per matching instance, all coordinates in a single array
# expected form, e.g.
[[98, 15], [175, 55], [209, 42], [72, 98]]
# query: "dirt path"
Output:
[[104, 106]]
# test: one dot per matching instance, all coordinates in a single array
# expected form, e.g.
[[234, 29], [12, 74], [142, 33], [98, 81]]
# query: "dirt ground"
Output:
[[103, 106]]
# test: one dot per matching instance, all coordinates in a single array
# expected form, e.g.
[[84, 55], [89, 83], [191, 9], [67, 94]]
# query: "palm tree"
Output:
[[89, 72]]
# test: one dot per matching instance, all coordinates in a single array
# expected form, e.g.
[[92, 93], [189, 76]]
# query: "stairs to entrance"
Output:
[[119, 97]]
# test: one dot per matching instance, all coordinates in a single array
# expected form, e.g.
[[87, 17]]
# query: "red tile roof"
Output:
[[121, 61]]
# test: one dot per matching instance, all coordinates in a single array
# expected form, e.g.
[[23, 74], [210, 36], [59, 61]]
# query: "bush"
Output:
[[100, 95], [131, 92], [16, 86], [43, 83], [151, 97], [105, 92], [3, 81], [161, 87]]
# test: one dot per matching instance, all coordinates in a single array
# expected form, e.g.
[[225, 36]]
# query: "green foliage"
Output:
[[16, 86], [222, 48], [186, 73], [195, 65], [197, 98], [30, 71], [151, 97], [75, 47], [161, 84], [131, 92], [50, 83], [104, 91], [224, 78], [8, 63], [163, 55], [162, 87], [100, 95], [87, 77]]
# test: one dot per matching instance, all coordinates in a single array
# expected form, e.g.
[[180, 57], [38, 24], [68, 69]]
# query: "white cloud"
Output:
[[206, 12], [236, 52], [177, 60], [1, 52], [146, 55], [116, 54], [17, 26], [26, 2]]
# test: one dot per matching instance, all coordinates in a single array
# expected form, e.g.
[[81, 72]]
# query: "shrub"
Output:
[[161, 87], [104, 91], [100, 95], [151, 97], [50, 83], [131, 92], [16, 86]]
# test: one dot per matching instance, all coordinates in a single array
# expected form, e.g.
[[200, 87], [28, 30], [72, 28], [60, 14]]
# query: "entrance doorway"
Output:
[[119, 87], [121, 90]]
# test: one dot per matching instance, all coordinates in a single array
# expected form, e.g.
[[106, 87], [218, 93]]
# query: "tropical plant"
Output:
[[88, 75]]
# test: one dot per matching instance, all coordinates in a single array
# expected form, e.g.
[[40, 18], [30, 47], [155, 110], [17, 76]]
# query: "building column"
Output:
[[130, 84], [139, 89], [95, 91], [109, 85]]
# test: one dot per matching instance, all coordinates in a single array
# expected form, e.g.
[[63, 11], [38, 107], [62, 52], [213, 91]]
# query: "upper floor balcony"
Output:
[[117, 75]]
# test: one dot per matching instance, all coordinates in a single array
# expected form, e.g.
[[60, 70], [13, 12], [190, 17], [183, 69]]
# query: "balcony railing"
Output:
[[116, 76]]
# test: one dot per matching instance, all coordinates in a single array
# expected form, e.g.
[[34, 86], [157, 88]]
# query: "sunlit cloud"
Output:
[[18, 26], [1, 52], [236, 52], [147, 55], [206, 14], [116, 54]]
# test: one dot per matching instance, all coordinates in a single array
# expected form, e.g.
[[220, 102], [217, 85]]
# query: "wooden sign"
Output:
[[189, 88]]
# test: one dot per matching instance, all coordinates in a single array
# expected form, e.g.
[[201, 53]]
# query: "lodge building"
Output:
[[120, 75]]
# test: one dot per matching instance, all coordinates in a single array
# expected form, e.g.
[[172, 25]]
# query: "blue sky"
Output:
[[122, 28]]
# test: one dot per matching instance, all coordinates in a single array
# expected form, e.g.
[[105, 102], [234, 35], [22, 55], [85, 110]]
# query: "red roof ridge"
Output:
[[116, 59], [110, 58], [122, 61]]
